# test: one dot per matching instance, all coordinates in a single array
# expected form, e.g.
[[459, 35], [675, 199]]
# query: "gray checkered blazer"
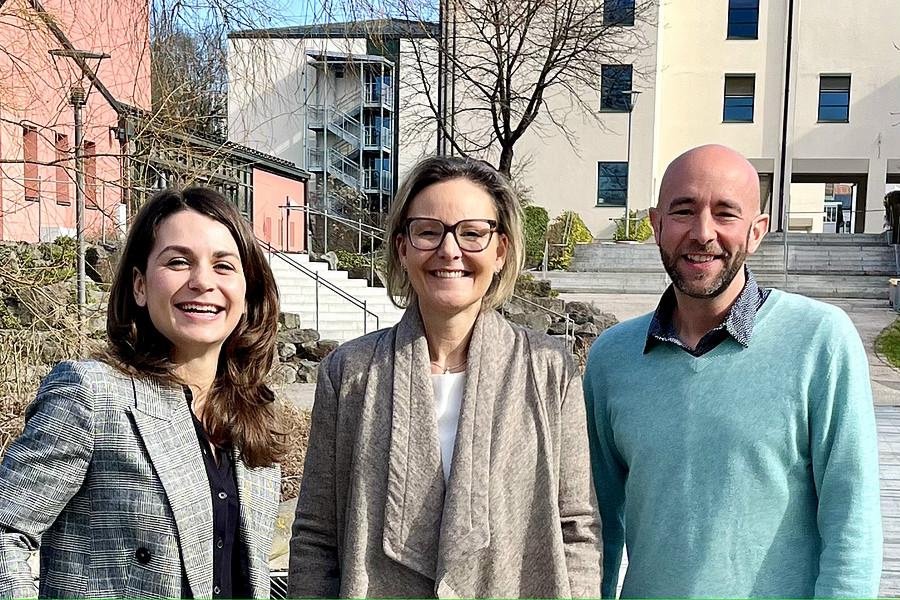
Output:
[[108, 481]]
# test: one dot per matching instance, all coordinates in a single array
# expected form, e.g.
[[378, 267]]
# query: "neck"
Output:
[[695, 317], [448, 337], [198, 373]]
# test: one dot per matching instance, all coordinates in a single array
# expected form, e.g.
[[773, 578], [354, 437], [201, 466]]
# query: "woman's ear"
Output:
[[139, 287]]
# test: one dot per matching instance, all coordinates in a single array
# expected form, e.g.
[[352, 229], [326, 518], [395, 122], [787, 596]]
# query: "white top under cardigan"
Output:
[[448, 395]]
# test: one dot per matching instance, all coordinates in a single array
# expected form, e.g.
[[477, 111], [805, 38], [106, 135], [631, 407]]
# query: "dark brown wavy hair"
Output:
[[240, 404]]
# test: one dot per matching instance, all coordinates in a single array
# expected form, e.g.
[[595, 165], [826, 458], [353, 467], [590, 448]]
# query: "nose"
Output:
[[201, 278], [449, 248], [703, 228]]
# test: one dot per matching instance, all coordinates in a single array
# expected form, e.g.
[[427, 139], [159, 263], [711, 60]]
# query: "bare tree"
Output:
[[500, 67]]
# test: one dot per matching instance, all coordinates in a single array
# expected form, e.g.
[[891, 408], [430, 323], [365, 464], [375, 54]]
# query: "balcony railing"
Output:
[[378, 136], [378, 180], [379, 92]]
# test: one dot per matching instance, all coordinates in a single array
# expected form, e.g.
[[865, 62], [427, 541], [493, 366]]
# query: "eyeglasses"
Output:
[[471, 235]]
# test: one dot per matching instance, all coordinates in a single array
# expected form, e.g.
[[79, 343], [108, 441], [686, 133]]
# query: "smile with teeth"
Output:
[[193, 307], [448, 273], [700, 258]]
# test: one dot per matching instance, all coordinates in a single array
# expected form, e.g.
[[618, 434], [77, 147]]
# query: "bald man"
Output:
[[732, 432]]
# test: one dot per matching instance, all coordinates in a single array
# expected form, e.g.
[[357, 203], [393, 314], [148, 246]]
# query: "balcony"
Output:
[[378, 181]]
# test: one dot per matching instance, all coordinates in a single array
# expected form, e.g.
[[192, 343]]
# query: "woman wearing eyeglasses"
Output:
[[448, 455]]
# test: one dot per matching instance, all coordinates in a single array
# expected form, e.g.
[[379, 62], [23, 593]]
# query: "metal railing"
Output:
[[376, 233], [336, 120], [377, 136], [321, 282], [378, 180], [379, 92]]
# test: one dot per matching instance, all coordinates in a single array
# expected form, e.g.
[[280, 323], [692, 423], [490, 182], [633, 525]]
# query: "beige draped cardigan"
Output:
[[517, 517]]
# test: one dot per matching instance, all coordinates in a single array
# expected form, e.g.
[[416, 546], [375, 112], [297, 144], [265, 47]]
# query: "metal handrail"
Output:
[[321, 281], [570, 338]]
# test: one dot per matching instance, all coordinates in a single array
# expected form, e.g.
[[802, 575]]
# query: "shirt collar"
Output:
[[738, 324]]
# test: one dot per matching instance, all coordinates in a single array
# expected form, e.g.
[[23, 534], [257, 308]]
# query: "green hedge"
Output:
[[640, 230], [567, 230], [536, 221]]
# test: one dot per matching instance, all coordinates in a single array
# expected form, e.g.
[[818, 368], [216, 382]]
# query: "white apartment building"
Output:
[[808, 90]]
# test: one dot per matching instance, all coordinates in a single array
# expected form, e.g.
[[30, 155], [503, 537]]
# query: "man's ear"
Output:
[[655, 223], [758, 229]]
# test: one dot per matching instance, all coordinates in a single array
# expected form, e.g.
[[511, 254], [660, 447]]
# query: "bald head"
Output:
[[711, 166]]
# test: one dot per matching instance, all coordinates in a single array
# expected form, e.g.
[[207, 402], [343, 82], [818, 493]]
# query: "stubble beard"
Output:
[[733, 264]]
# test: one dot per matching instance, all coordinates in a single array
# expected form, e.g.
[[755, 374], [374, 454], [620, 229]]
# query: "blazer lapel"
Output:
[[258, 490], [415, 486], [164, 422]]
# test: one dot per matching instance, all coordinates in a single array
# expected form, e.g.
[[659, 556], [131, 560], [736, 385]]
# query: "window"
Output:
[[31, 176], [743, 19], [62, 174], [834, 99], [614, 80], [618, 12], [739, 90], [612, 183], [90, 175]]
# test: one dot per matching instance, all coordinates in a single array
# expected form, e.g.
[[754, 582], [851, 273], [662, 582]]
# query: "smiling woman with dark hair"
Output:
[[448, 455], [151, 472]]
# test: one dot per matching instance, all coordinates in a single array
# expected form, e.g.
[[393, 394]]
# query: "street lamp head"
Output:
[[632, 97], [80, 64]]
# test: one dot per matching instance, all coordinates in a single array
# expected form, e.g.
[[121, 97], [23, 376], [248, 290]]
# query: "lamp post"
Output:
[[632, 98], [78, 99]]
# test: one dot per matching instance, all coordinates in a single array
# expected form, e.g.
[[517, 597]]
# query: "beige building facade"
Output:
[[809, 91]]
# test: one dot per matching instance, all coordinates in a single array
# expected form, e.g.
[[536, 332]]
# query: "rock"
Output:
[[587, 329], [538, 321], [289, 320], [286, 350], [307, 371], [316, 351], [587, 308], [554, 304], [298, 336], [283, 374], [604, 321], [514, 307], [101, 263], [557, 327]]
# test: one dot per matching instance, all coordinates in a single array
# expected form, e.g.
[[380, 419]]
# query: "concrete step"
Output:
[[338, 318], [822, 286]]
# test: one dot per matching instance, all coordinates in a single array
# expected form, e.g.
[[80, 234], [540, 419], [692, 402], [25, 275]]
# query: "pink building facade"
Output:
[[37, 138]]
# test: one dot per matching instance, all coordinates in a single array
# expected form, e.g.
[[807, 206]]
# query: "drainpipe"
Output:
[[784, 216]]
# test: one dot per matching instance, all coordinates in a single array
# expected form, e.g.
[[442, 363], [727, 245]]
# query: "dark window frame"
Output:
[[618, 12], [743, 20], [828, 96], [620, 190], [612, 83], [737, 101]]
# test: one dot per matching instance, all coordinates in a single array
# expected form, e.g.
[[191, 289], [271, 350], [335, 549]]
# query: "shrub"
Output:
[[536, 221], [640, 231], [567, 230]]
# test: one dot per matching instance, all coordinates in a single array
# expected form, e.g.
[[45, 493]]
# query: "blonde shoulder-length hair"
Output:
[[437, 169]]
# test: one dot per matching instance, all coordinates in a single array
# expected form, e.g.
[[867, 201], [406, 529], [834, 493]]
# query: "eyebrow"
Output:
[[186, 250], [689, 201]]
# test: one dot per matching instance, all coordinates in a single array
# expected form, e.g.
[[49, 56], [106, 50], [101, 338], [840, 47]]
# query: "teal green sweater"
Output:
[[744, 472]]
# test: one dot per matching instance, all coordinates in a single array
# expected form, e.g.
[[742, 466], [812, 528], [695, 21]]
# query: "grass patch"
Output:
[[887, 345]]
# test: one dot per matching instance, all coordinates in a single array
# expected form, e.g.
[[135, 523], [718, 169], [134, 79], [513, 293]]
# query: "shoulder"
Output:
[[353, 356], [625, 337], [90, 374], [809, 315], [545, 351]]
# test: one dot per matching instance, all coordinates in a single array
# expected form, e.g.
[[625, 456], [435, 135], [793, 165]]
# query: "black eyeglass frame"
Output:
[[494, 227]]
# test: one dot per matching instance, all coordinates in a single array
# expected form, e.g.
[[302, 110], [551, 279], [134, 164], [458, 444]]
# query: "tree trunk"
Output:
[[506, 158]]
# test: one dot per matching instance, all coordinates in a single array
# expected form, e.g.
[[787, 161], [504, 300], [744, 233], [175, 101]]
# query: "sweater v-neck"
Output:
[[699, 363]]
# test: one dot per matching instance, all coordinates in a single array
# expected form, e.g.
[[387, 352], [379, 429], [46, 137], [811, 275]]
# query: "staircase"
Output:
[[337, 317], [819, 265]]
